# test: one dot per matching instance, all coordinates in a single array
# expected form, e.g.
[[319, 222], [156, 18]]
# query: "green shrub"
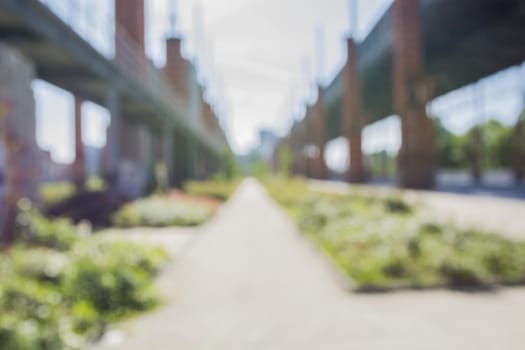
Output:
[[383, 242], [56, 192], [159, 212], [113, 277], [59, 299], [59, 234], [221, 190]]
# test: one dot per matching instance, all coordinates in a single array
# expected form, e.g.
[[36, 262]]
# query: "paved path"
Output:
[[250, 282]]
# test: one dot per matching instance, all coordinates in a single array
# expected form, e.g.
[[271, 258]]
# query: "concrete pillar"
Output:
[[183, 161], [133, 170], [79, 165], [353, 120], [145, 146], [20, 167], [321, 170], [167, 154], [111, 156], [309, 140], [411, 94], [301, 143], [195, 98]]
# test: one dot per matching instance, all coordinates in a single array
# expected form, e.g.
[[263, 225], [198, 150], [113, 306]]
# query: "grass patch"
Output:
[[174, 209], [53, 193], [60, 290], [383, 242], [218, 189]]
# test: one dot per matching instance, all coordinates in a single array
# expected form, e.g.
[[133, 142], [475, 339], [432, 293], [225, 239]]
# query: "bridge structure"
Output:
[[157, 115], [418, 50]]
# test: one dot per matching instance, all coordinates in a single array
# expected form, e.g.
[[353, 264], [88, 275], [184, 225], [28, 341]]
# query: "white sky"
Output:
[[256, 51]]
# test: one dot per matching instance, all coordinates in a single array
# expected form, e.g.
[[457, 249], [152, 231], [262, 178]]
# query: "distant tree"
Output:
[[382, 164], [259, 168], [229, 167], [451, 152], [488, 145], [498, 144], [285, 161]]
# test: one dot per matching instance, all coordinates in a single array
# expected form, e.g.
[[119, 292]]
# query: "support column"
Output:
[[321, 170], [79, 166], [177, 68], [353, 120], [129, 35], [20, 177], [411, 94], [167, 154], [519, 141], [112, 150], [182, 169]]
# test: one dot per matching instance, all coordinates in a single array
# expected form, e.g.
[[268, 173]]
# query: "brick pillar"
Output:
[[176, 68], [129, 17], [353, 120], [79, 165], [309, 137], [411, 93], [295, 146], [321, 171], [20, 176], [129, 35], [209, 119]]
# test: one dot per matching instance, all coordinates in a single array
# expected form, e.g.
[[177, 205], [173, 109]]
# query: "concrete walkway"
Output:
[[251, 281]]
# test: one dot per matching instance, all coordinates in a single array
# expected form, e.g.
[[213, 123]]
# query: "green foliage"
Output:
[[56, 192], [285, 161], [218, 189], [158, 211], [384, 242], [152, 184], [229, 167], [95, 184], [59, 299], [259, 169], [382, 164], [112, 277], [58, 234], [53, 193], [458, 151], [452, 149]]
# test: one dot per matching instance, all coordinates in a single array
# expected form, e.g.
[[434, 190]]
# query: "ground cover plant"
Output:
[[218, 189], [53, 193], [60, 289], [383, 242], [173, 209]]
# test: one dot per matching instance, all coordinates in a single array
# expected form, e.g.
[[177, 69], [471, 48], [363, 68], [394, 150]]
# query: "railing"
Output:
[[94, 21]]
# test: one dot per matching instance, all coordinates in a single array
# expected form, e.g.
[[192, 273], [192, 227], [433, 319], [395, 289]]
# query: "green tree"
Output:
[[285, 161], [230, 168], [451, 148]]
